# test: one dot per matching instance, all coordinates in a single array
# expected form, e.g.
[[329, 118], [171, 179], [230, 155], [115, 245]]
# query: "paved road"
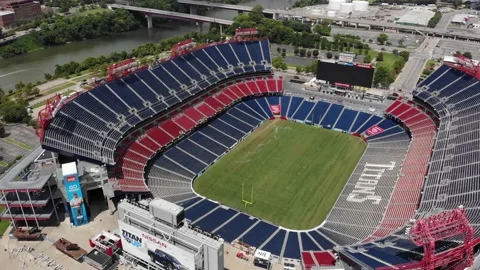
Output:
[[408, 78]]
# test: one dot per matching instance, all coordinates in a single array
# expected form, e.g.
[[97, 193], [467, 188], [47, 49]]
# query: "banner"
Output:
[[151, 249], [75, 200], [374, 130], [276, 109]]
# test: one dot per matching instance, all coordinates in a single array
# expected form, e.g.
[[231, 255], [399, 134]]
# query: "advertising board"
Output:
[[276, 109], [374, 130], [75, 200], [152, 249], [357, 75]]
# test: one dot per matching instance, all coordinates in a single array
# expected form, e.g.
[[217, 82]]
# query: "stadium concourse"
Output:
[[158, 128]]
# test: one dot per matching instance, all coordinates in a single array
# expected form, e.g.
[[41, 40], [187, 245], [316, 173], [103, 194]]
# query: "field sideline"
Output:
[[296, 171]]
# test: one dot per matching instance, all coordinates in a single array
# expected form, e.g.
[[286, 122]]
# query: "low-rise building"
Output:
[[6, 18], [22, 9]]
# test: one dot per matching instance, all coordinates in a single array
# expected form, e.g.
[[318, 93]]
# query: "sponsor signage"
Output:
[[276, 109], [364, 66], [374, 130], [152, 249], [75, 200], [342, 85]]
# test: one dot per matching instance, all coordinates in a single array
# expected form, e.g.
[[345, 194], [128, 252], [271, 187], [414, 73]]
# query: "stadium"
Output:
[[311, 182]]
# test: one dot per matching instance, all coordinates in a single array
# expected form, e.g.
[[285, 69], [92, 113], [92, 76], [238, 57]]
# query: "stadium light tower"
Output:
[[452, 224]]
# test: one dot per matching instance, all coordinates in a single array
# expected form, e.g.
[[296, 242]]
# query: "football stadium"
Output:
[[210, 135]]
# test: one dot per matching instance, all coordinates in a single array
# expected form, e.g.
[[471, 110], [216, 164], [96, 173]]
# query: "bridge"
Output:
[[150, 13], [344, 22]]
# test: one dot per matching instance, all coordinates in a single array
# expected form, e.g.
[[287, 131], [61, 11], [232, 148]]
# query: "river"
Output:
[[31, 67]]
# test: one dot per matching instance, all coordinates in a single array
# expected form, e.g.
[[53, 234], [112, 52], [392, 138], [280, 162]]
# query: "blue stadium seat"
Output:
[[265, 106], [197, 151], [307, 243], [258, 234], [208, 143], [167, 164], [368, 124], [292, 247], [227, 129], [236, 227], [185, 160], [285, 102], [331, 116], [217, 136], [321, 240], [303, 111], [294, 104], [215, 219], [346, 120], [318, 112], [434, 75], [200, 209], [276, 243], [128, 96]]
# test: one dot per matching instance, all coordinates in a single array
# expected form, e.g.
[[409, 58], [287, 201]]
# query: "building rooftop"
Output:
[[22, 177], [6, 12], [459, 18], [416, 17], [69, 168]]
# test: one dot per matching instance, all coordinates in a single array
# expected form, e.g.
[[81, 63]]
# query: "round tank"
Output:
[[346, 8], [335, 4], [331, 13], [360, 5]]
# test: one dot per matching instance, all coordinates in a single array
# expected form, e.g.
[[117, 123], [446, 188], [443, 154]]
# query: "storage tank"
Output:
[[346, 8], [335, 4], [331, 13], [360, 5]]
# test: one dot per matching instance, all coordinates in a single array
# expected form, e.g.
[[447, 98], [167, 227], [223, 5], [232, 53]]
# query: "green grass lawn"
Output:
[[3, 224], [3, 164], [91, 11], [296, 171], [388, 60], [17, 143]]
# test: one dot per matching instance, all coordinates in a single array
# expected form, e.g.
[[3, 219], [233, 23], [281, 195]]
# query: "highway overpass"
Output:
[[344, 22], [149, 13]]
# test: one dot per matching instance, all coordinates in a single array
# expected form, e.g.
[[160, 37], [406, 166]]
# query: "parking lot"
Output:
[[19, 141]]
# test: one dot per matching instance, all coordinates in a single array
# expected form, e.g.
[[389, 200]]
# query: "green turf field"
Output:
[[296, 171]]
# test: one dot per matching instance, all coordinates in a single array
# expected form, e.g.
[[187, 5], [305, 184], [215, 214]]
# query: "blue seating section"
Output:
[[122, 104], [346, 120]]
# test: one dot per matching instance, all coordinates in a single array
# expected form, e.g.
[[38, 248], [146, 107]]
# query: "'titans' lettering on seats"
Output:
[[365, 188]]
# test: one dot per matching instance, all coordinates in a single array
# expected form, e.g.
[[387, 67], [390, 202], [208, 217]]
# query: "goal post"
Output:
[[245, 199]]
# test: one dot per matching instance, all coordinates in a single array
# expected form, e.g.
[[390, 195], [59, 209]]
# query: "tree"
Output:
[[467, 55], [309, 53], [395, 51], [284, 54], [299, 69], [48, 76], [296, 51], [277, 62], [367, 59], [284, 50], [2, 131], [388, 43], [398, 65], [315, 53], [381, 75], [382, 38], [329, 55], [303, 52], [456, 3], [379, 57], [279, 49], [400, 42], [14, 112], [405, 55]]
